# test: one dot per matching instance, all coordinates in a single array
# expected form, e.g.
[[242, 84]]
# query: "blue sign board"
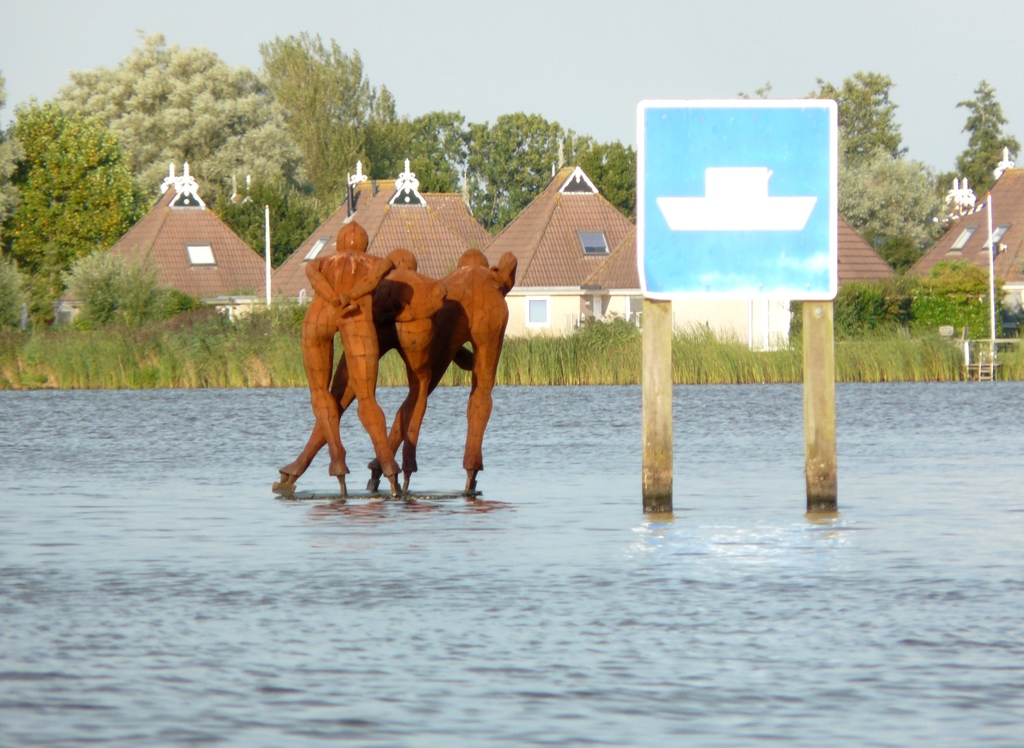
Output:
[[737, 199]]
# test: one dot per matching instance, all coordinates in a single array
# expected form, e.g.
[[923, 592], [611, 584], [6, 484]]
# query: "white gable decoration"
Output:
[[578, 183], [185, 187], [407, 189]]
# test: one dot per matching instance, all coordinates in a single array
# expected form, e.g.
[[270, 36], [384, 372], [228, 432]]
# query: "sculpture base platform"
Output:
[[380, 496]]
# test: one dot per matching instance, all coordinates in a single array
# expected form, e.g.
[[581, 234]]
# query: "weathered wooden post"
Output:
[[657, 405], [820, 407]]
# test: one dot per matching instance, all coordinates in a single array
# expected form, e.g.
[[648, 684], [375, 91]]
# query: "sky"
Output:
[[584, 64]]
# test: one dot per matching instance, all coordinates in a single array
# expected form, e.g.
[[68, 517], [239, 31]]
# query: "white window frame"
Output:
[[547, 308], [197, 254], [965, 236], [998, 234], [604, 237], [316, 249]]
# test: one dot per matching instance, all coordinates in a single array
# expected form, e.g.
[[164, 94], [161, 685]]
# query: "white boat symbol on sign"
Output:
[[736, 199]]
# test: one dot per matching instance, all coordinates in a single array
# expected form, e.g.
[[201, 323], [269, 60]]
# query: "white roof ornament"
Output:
[[578, 183], [185, 188], [960, 200], [359, 176], [1003, 165], [407, 189], [170, 180]]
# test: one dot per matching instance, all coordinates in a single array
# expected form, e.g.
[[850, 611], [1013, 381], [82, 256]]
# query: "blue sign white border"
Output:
[[796, 295]]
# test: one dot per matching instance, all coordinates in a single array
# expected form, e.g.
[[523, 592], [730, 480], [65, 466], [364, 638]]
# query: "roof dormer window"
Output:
[[200, 254], [997, 236], [315, 250], [962, 240], [593, 242]]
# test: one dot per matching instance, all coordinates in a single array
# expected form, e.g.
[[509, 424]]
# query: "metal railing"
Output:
[[981, 357]]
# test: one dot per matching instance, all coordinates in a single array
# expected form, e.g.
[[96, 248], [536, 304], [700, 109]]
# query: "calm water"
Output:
[[154, 592]]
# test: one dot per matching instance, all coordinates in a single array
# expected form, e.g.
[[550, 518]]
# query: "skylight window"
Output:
[[593, 242], [963, 238], [315, 250], [200, 254], [997, 235]]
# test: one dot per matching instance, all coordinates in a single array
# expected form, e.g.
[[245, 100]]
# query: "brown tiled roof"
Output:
[[161, 236], [544, 237], [619, 270], [1007, 209], [857, 260], [437, 233]]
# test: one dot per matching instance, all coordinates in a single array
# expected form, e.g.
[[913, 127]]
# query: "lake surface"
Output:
[[154, 592]]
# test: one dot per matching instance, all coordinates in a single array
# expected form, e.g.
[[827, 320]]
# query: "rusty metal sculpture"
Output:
[[343, 285], [404, 304], [474, 312], [413, 316]]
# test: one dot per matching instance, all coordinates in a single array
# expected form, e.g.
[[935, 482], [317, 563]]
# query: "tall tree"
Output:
[[987, 141], [329, 103], [867, 116], [77, 193], [10, 153], [612, 167], [293, 216], [891, 202], [509, 164], [169, 104]]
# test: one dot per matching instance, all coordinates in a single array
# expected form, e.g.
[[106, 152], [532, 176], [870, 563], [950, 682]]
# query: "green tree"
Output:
[[439, 150], [612, 167], [169, 104], [112, 290], [867, 116], [12, 294], [891, 202], [986, 142], [293, 217], [509, 164], [329, 104], [10, 153], [77, 193]]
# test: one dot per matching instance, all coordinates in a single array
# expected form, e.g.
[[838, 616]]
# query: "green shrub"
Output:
[[175, 302], [954, 293], [12, 294], [865, 310], [113, 291]]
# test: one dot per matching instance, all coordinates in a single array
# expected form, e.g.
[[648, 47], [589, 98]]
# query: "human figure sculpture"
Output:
[[474, 312], [404, 304], [343, 284]]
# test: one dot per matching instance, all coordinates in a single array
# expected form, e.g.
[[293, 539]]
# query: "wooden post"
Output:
[[657, 405], [820, 407]]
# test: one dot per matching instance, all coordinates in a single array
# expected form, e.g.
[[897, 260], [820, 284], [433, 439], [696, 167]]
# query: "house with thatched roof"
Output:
[[436, 227]]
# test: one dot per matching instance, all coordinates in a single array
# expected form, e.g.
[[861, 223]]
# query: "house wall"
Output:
[[564, 312], [760, 323]]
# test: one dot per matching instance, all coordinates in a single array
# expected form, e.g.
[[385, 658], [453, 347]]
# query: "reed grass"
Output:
[[202, 350]]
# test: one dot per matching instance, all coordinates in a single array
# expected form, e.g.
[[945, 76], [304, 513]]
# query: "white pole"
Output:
[[266, 222], [991, 277]]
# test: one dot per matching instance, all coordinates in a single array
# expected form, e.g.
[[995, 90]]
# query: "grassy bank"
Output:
[[203, 350]]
